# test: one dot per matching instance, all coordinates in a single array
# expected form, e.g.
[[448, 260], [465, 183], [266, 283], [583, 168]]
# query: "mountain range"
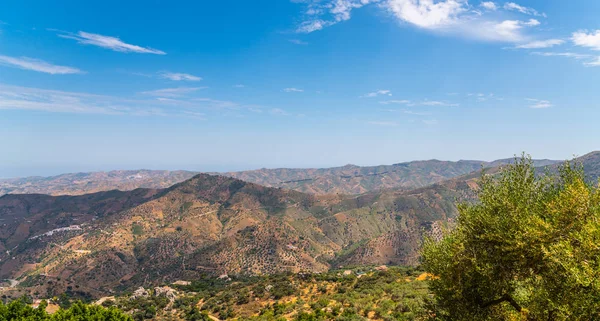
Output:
[[117, 240], [349, 179]]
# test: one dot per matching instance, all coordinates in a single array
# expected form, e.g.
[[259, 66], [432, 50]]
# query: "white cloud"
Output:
[[37, 65], [427, 13], [525, 10], [437, 103], [383, 123], [278, 112], [298, 42], [409, 112], [539, 104], [539, 44], [425, 102], [380, 92], [562, 54], [584, 39], [112, 43], [387, 102], [179, 76], [511, 31], [449, 17], [196, 115], [172, 92], [489, 5], [593, 63], [591, 60], [293, 90], [532, 23]]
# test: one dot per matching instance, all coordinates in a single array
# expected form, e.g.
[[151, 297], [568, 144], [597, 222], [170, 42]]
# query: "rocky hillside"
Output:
[[212, 224], [349, 179]]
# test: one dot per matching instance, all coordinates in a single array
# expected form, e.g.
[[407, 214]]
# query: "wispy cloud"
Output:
[[515, 7], [414, 113], [381, 92], [383, 123], [293, 90], [180, 105], [425, 102], [538, 103], [112, 43], [298, 42], [562, 54], [539, 44], [239, 86], [403, 102], [593, 63], [430, 122], [437, 103], [335, 11], [590, 60], [179, 76], [405, 111], [278, 112], [37, 65], [172, 92], [24, 98]]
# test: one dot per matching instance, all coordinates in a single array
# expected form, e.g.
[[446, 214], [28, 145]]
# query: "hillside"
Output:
[[92, 182], [349, 179], [213, 224], [590, 163]]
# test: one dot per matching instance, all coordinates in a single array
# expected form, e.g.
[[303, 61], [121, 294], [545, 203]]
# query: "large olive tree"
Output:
[[529, 249]]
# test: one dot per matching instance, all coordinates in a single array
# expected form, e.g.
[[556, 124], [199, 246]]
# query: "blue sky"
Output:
[[231, 85]]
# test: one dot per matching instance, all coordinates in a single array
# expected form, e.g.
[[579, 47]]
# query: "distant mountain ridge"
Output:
[[352, 179], [349, 179]]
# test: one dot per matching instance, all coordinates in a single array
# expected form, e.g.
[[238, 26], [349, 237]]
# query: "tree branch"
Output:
[[504, 298]]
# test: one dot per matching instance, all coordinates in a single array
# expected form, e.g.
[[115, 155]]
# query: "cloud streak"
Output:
[[298, 42], [511, 6], [539, 104], [108, 42], [380, 92], [431, 103], [37, 65], [172, 92], [383, 123], [540, 44], [55, 101], [293, 90], [179, 76]]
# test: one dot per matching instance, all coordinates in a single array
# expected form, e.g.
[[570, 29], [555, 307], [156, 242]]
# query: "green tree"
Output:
[[528, 250], [19, 310]]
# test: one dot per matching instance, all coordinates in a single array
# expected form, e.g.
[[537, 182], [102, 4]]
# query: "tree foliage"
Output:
[[528, 250], [19, 310]]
